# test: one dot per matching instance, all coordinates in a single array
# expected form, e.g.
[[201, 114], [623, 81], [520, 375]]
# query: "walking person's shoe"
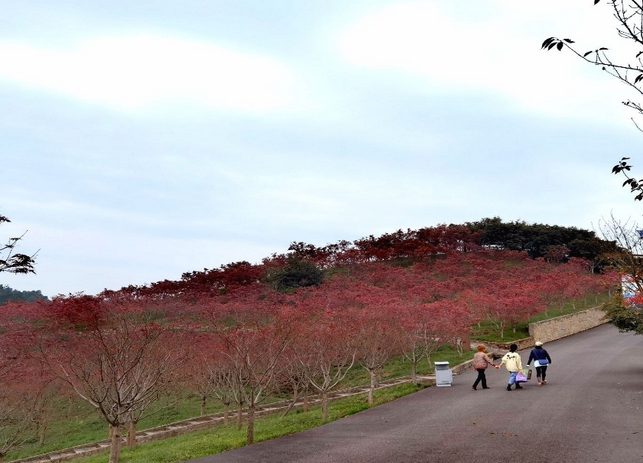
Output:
[[509, 387], [486, 387], [540, 383], [518, 386], [544, 381], [472, 387]]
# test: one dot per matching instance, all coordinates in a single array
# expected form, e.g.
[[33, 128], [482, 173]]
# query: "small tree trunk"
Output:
[[414, 371], [239, 415], [226, 412], [250, 434], [373, 377], [304, 405], [115, 449], [131, 434], [295, 392], [466, 342], [203, 400], [295, 396], [372, 387], [324, 398], [42, 428]]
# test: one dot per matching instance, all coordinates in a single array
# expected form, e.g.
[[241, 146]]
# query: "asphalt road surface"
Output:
[[591, 410]]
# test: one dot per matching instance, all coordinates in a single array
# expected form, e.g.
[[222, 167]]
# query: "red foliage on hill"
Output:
[[404, 293]]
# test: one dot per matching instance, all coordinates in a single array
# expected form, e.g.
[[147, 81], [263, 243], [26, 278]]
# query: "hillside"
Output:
[[297, 323], [549, 242]]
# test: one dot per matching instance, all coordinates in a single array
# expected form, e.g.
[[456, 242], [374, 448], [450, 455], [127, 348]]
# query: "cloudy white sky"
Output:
[[140, 140]]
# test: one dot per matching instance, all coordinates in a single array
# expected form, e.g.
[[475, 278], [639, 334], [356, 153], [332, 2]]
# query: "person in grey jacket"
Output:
[[541, 360]]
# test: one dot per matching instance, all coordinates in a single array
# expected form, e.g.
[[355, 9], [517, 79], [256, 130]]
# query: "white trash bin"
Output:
[[443, 374]]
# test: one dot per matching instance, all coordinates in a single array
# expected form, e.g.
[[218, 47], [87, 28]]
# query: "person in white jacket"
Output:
[[513, 363]]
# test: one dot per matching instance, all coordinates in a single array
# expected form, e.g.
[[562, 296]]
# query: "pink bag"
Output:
[[521, 377]]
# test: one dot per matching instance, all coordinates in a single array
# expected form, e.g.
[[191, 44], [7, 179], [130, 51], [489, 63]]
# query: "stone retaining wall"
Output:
[[551, 330], [566, 325]]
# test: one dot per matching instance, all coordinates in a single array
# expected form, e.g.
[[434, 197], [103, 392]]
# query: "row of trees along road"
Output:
[[238, 340]]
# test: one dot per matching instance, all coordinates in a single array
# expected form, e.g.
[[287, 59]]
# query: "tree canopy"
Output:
[[297, 273], [552, 242]]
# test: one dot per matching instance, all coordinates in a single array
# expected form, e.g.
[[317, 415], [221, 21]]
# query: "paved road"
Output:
[[591, 411]]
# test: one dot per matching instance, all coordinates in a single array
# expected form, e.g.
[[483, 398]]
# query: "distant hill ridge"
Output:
[[551, 242], [8, 294]]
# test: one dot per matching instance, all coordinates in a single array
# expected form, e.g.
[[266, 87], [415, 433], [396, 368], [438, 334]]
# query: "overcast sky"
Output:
[[140, 140]]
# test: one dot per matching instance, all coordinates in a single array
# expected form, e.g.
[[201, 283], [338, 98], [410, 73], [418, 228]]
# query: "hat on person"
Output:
[[538, 343]]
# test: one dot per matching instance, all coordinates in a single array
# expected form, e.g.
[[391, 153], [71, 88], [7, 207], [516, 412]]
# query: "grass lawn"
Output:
[[222, 438]]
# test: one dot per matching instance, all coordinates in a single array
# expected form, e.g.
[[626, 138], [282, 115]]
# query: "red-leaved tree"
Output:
[[23, 382], [119, 356], [326, 352], [253, 337]]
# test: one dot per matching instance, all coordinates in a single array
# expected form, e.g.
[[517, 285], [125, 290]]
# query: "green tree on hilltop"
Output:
[[9, 294]]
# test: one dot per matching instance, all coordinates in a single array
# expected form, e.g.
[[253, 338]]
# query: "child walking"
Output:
[[513, 363]]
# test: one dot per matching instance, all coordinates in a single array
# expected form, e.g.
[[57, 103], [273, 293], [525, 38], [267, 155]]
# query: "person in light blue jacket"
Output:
[[541, 360]]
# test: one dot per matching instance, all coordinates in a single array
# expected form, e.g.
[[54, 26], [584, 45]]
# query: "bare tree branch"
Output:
[[629, 18], [12, 262]]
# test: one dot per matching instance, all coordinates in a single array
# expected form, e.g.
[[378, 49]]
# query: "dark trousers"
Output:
[[481, 377], [541, 372]]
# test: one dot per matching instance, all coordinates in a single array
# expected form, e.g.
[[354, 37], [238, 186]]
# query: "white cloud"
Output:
[[496, 50], [145, 70]]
